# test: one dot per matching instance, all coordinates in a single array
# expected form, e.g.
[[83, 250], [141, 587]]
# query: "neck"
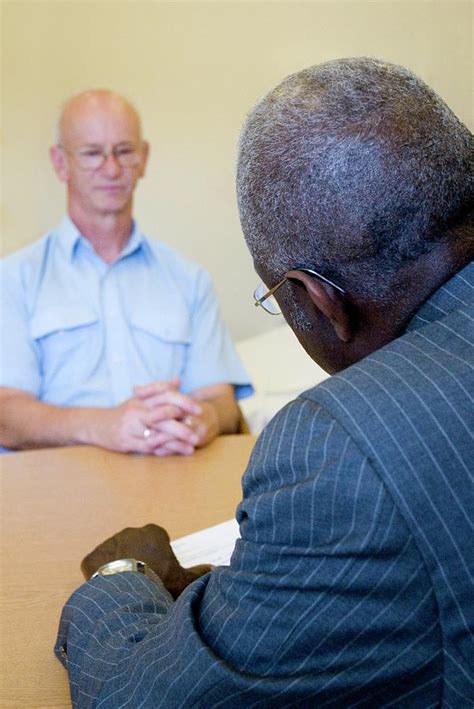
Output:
[[108, 233], [375, 324]]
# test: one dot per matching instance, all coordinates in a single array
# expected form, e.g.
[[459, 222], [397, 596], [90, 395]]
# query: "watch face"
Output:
[[117, 567]]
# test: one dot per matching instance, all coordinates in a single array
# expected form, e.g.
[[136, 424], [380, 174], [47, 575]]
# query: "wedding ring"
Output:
[[188, 421], [146, 433]]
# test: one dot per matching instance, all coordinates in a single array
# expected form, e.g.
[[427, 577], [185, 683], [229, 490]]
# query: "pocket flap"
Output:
[[171, 327], [57, 318]]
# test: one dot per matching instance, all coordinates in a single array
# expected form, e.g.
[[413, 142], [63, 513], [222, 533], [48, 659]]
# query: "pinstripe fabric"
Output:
[[352, 583]]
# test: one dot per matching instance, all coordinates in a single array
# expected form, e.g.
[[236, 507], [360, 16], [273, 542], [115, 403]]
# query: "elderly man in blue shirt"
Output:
[[110, 338]]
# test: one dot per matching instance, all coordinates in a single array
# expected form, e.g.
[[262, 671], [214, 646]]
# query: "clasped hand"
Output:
[[160, 420]]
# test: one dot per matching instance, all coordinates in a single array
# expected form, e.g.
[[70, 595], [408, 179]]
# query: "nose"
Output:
[[111, 165]]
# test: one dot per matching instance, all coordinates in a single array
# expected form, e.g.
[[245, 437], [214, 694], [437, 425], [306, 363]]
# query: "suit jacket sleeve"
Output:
[[326, 601]]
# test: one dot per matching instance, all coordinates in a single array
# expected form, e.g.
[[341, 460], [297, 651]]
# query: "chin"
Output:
[[112, 205]]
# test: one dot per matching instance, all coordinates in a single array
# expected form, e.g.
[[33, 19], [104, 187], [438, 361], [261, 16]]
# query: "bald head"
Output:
[[100, 155], [89, 106]]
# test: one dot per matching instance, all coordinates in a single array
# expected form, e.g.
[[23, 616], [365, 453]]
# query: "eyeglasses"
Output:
[[265, 298], [93, 157]]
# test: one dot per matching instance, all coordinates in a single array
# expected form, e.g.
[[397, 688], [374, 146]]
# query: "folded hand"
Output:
[[179, 423]]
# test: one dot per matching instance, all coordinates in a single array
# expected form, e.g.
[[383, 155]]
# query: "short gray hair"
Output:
[[354, 167]]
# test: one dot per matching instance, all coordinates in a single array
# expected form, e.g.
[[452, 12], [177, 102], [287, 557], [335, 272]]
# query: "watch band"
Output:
[[120, 565]]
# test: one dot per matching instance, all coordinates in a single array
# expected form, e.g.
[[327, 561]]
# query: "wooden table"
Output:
[[57, 505]]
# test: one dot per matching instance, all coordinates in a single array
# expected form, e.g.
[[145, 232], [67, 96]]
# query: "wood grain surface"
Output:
[[57, 505]]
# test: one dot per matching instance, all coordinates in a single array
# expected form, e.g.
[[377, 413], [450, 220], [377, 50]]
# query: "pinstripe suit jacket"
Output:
[[352, 583]]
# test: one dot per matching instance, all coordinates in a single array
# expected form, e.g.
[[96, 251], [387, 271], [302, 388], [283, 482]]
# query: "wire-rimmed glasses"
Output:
[[265, 297], [92, 157]]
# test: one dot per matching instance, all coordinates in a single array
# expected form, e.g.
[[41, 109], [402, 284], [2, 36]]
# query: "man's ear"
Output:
[[145, 154], [329, 301], [59, 161]]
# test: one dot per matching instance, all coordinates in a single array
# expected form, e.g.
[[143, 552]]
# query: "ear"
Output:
[[145, 154], [329, 301], [59, 161]]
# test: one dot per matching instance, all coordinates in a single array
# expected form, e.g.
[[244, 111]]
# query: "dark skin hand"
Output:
[[150, 544]]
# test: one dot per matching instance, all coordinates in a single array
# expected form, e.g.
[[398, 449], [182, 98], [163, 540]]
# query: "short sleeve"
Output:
[[212, 357], [19, 359]]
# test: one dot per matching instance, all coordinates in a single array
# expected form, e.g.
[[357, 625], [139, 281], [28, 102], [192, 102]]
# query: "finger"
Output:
[[174, 447], [157, 440], [142, 434], [178, 430], [174, 398], [195, 423], [163, 413], [198, 425], [143, 391], [146, 444]]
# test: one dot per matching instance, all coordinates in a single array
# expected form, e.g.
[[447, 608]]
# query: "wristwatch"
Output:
[[115, 567], [120, 565]]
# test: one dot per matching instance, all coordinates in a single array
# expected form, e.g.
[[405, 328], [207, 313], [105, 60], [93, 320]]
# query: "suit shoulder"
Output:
[[430, 364]]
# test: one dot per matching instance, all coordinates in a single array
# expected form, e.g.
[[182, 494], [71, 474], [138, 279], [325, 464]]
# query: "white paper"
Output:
[[213, 545]]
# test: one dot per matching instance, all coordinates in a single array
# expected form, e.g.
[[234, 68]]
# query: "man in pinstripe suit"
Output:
[[352, 582]]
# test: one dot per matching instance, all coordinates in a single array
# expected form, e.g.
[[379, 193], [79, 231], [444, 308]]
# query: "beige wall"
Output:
[[194, 69]]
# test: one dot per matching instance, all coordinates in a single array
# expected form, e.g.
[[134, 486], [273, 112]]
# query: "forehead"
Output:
[[99, 121]]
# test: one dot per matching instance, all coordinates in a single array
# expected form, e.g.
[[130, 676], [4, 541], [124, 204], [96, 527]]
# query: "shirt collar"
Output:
[[456, 293], [135, 241], [70, 237]]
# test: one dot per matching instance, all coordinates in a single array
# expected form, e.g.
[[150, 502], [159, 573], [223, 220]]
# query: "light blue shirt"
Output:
[[76, 331]]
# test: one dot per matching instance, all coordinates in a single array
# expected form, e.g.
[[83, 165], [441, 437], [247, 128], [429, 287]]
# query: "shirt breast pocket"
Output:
[[163, 341], [63, 333]]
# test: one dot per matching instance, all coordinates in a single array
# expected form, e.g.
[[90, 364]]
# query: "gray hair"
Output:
[[354, 167]]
